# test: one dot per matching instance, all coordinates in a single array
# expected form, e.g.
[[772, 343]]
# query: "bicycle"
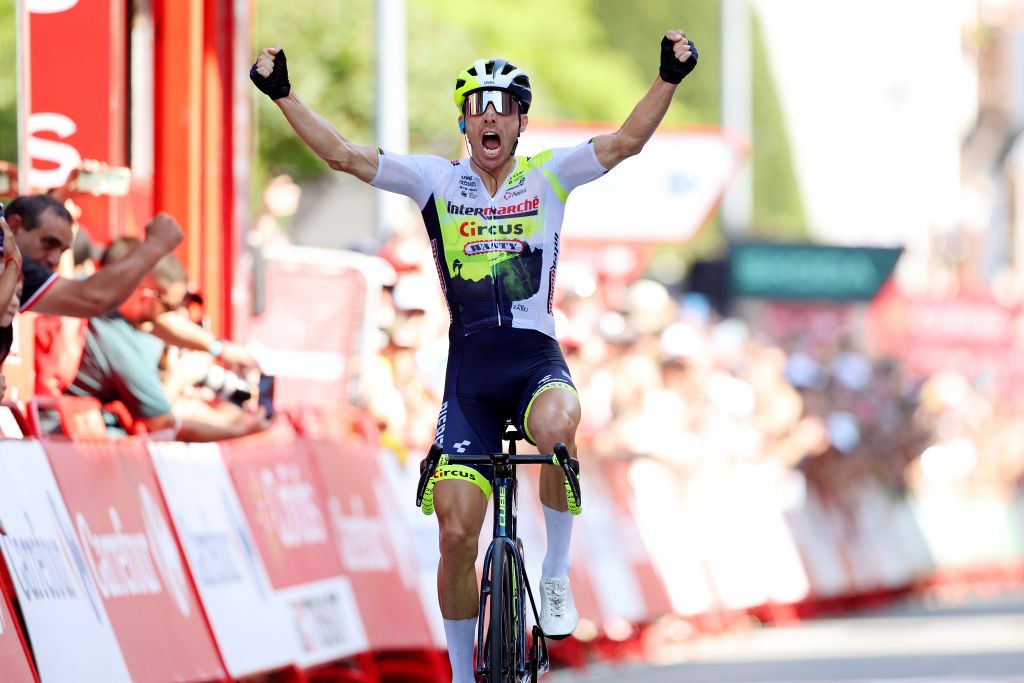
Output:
[[503, 657]]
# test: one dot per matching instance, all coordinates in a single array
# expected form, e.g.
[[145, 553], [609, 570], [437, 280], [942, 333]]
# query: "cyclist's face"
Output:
[[492, 135]]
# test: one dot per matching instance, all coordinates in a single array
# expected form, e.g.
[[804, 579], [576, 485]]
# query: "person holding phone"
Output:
[[120, 359], [10, 291]]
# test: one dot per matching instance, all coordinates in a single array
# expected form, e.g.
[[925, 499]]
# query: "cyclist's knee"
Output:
[[554, 417], [459, 543], [553, 426]]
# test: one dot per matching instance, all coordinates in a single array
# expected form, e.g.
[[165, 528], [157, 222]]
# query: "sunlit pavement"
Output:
[[979, 642]]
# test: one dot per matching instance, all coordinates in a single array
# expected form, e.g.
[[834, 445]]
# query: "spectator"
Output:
[[120, 361], [10, 291], [179, 330], [42, 228]]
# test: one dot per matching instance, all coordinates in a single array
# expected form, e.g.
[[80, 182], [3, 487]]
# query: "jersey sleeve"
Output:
[[36, 280], [570, 167], [414, 175]]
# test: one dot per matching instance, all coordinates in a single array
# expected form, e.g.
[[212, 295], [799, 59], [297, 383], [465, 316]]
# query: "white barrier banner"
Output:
[[249, 623], [673, 534], [70, 632], [326, 616], [618, 592]]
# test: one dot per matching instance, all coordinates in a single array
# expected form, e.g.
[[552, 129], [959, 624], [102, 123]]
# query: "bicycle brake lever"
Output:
[[571, 467], [427, 467]]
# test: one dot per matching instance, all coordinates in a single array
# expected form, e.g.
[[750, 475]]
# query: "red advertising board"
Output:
[[15, 666], [133, 556], [971, 334], [317, 363], [373, 543], [279, 488], [276, 484], [77, 87]]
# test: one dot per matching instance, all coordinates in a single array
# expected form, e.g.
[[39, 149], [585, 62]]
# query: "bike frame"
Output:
[[505, 490], [505, 503]]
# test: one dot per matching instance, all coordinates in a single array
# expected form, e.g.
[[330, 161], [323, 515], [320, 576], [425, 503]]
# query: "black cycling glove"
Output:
[[275, 85], [672, 70]]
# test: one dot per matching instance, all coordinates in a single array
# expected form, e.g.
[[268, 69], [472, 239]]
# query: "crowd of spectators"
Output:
[[664, 376], [660, 373], [114, 323]]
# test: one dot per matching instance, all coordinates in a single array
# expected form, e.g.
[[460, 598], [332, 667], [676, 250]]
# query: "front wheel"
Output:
[[501, 634]]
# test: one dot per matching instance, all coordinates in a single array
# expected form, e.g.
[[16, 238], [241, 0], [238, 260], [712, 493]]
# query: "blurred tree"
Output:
[[330, 58], [637, 28], [8, 83], [778, 211], [587, 59]]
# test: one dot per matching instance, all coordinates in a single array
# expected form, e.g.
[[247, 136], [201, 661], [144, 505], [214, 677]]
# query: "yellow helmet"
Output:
[[494, 74]]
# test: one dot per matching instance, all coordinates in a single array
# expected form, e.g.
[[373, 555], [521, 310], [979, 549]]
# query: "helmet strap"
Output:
[[518, 133]]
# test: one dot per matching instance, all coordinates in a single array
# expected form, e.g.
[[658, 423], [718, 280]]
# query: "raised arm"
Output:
[[11, 274], [110, 286], [270, 75], [678, 58], [182, 332]]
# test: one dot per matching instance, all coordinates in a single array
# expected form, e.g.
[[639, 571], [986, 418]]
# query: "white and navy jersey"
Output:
[[496, 256]]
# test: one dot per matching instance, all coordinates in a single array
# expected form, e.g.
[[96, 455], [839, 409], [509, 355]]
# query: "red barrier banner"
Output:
[[71, 634], [132, 555], [320, 362], [248, 622], [77, 88], [373, 543], [970, 334], [279, 488], [15, 665]]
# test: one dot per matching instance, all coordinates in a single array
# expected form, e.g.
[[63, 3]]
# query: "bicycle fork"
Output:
[[529, 665]]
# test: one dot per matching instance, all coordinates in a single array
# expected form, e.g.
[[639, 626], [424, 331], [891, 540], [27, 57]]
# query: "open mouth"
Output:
[[491, 141]]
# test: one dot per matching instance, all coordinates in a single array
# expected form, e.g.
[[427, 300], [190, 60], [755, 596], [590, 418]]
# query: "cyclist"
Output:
[[493, 222]]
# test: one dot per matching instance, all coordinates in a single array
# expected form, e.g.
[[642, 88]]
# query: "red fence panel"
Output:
[[132, 555], [656, 599], [15, 664], [279, 489], [373, 544]]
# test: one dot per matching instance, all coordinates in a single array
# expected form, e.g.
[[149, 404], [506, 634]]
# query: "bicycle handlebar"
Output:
[[561, 458]]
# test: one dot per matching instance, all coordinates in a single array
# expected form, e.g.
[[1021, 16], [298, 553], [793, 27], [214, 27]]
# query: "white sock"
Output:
[[460, 635], [556, 559]]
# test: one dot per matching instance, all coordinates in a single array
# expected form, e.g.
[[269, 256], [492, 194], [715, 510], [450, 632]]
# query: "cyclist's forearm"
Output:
[[645, 118], [326, 142]]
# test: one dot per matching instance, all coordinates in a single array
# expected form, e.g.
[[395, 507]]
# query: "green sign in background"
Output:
[[807, 272]]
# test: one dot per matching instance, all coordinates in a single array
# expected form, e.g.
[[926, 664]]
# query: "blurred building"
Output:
[[904, 117]]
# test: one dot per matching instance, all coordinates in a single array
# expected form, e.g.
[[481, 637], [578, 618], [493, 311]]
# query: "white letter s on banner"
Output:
[[50, 6], [64, 155]]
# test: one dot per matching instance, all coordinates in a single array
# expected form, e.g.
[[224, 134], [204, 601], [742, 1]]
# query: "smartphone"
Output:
[[267, 394], [1, 232]]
